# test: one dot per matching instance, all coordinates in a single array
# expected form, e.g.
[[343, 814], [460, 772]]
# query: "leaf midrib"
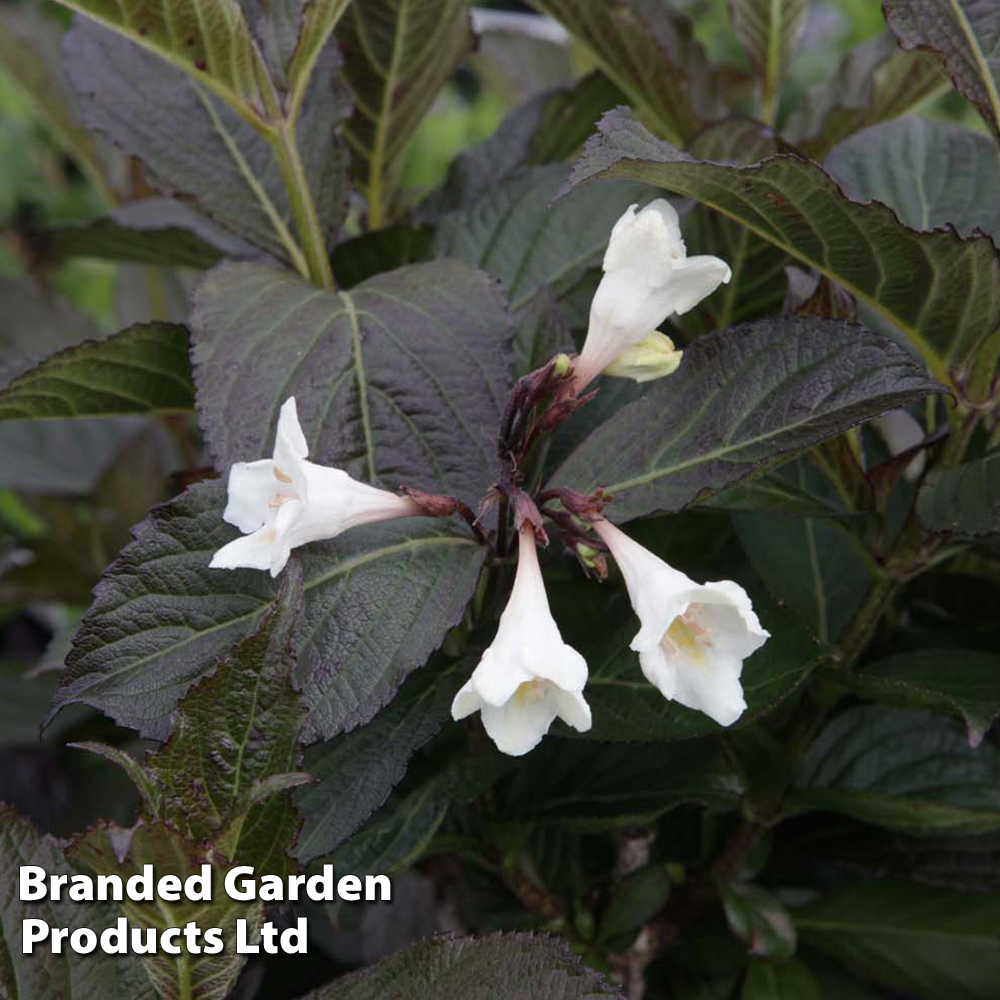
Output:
[[362, 382], [980, 59], [378, 159]]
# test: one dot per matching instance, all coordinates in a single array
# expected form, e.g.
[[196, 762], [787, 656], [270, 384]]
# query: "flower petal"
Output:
[[732, 620], [694, 279], [259, 550], [712, 687], [645, 244], [290, 450], [555, 662], [252, 487], [466, 701], [289, 431], [660, 670], [337, 502], [498, 674], [573, 710], [518, 727]]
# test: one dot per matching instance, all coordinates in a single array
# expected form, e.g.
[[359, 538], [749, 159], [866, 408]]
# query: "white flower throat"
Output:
[[530, 692], [686, 636]]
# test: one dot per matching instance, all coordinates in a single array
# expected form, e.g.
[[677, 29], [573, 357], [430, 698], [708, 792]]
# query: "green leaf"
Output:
[[193, 144], [234, 733], [319, 18], [742, 400], [931, 174], [53, 456], [758, 283], [31, 60], [651, 55], [626, 706], [963, 501], [516, 234], [588, 788], [813, 565], [137, 773], [498, 967], [207, 39], [548, 128], [780, 981], [397, 56], [44, 975], [399, 381], [966, 863], [403, 830], [568, 115], [362, 257], [217, 781], [637, 897], [930, 942], [901, 769], [397, 839], [161, 232], [769, 30], [106, 239], [378, 601], [826, 482], [837, 982], [943, 292], [959, 682], [110, 850], [758, 920], [875, 81], [63, 457], [964, 36], [143, 369], [36, 324], [356, 771]]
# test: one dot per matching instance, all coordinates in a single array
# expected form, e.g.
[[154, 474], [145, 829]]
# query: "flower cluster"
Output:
[[693, 637]]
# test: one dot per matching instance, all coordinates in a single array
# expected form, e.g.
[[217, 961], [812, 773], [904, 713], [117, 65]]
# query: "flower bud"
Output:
[[651, 358], [561, 365], [592, 560]]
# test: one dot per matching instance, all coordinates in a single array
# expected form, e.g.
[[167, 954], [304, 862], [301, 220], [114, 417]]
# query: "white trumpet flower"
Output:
[[528, 676], [282, 502], [647, 277], [693, 637]]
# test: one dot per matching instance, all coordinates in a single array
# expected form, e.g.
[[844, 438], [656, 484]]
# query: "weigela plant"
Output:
[[593, 527]]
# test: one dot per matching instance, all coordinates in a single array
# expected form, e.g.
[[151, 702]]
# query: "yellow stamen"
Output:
[[280, 476], [686, 636]]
